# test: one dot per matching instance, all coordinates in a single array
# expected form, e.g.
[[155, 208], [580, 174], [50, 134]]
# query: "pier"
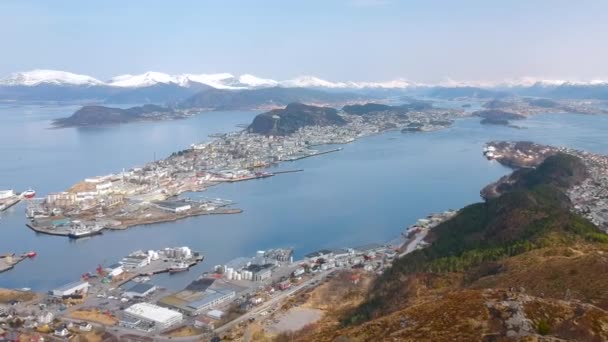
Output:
[[314, 154], [156, 267], [5, 204], [9, 260]]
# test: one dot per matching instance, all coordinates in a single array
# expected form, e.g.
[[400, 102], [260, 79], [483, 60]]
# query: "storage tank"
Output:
[[229, 273]]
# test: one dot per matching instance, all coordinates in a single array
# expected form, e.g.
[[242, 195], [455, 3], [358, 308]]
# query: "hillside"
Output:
[[520, 266], [223, 99], [293, 117], [101, 115]]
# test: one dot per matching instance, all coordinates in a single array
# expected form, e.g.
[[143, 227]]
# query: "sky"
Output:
[[338, 40]]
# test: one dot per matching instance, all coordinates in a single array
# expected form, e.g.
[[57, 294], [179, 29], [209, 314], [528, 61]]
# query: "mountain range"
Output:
[[157, 87]]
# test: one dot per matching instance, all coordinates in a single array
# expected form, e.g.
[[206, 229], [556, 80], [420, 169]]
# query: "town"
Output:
[[121, 299], [151, 194]]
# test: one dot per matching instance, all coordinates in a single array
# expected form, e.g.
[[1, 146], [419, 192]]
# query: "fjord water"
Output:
[[367, 192]]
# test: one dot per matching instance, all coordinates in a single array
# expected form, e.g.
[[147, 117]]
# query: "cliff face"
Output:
[[296, 115]]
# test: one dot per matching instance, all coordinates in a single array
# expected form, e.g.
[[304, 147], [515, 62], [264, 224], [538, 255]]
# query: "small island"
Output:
[[101, 115], [497, 117]]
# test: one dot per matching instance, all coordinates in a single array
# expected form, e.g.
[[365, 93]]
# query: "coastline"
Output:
[[178, 186]]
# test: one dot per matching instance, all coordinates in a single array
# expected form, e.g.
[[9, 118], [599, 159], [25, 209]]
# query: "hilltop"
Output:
[[521, 266], [293, 117]]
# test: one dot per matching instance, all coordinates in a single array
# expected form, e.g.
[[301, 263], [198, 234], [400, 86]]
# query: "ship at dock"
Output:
[[79, 230], [179, 267]]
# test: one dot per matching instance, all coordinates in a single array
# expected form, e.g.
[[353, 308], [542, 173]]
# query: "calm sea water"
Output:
[[367, 192]]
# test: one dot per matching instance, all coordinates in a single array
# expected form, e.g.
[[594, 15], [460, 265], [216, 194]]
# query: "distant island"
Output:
[[101, 115], [293, 117], [497, 117], [265, 98], [209, 99]]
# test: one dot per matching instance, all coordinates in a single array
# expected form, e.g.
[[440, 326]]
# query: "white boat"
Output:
[[179, 267], [84, 231]]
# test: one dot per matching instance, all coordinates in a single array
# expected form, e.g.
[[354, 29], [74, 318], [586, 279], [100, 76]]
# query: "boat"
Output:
[[141, 279], [30, 254], [84, 231], [29, 193], [179, 267]]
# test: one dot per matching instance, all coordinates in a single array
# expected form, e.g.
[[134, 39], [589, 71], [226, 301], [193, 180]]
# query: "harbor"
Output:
[[139, 213]]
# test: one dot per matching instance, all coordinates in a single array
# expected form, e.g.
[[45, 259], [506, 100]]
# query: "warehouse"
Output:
[[140, 290], [196, 302], [173, 206], [160, 317], [77, 288]]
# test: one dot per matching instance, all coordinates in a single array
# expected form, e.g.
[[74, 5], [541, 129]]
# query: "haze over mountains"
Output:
[[157, 87]]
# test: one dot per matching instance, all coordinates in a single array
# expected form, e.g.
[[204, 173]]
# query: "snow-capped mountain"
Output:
[[143, 80], [41, 76], [248, 81]]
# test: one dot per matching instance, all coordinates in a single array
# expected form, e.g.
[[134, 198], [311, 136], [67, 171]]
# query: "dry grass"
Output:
[[93, 316], [556, 273], [185, 331], [7, 295]]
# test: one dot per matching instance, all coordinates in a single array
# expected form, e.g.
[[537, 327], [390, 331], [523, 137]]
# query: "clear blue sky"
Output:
[[425, 41]]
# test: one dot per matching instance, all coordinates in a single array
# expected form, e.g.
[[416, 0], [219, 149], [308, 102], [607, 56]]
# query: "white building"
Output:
[[215, 314], [45, 317], [71, 289], [162, 318], [114, 270], [4, 194]]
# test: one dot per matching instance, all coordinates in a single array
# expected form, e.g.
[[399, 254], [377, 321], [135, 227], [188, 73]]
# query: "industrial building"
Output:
[[114, 270], [136, 259], [77, 288], [157, 317], [261, 272], [173, 206], [140, 290], [320, 254], [215, 314], [195, 303]]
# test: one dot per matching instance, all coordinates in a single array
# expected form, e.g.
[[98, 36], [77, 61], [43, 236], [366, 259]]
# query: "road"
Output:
[[411, 245]]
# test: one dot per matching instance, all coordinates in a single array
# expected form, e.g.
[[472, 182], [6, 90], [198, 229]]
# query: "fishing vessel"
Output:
[[80, 231], [179, 267]]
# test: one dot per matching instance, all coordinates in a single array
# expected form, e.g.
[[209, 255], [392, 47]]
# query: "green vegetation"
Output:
[[532, 213], [296, 115], [543, 327]]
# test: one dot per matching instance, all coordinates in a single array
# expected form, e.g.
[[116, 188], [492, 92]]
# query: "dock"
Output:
[[157, 267], [287, 171], [8, 261], [314, 154], [5, 204]]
